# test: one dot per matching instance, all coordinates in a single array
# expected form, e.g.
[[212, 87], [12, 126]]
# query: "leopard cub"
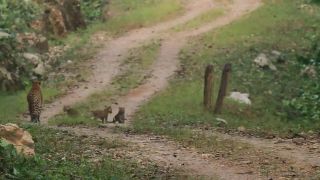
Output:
[[70, 111], [120, 117], [102, 114]]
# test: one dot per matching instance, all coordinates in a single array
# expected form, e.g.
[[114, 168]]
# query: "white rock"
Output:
[[240, 97], [309, 71], [5, 73], [33, 58], [263, 61], [4, 35], [40, 69], [222, 121], [241, 129], [276, 53]]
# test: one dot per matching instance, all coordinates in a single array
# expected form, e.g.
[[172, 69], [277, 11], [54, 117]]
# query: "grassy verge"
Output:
[[62, 155], [12, 105], [202, 19], [284, 26], [134, 15], [134, 72]]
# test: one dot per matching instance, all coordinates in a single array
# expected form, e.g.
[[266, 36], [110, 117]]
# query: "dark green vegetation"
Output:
[[283, 101], [62, 155], [15, 17]]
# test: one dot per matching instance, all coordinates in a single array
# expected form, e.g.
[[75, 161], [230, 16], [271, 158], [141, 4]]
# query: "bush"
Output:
[[15, 15], [12, 61], [14, 165], [93, 9], [307, 103]]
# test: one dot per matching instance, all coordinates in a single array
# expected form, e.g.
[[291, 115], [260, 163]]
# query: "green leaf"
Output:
[[15, 172], [4, 143]]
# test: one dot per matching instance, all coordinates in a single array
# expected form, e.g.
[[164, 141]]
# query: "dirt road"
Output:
[[159, 149]]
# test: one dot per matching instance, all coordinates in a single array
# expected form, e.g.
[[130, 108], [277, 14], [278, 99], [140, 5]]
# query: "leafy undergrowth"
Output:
[[134, 72], [285, 26], [62, 155]]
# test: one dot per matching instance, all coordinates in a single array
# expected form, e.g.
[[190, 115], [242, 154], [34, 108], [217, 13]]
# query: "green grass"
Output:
[[12, 105], [202, 19], [135, 15], [282, 26], [62, 155], [135, 71]]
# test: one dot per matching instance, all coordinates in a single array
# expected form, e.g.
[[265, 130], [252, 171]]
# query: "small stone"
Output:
[[222, 121], [309, 71], [310, 132], [103, 126], [241, 129], [278, 57], [299, 141], [32, 58], [263, 61], [175, 155], [246, 162], [206, 156], [276, 53], [4, 35], [279, 141], [39, 69], [240, 97]]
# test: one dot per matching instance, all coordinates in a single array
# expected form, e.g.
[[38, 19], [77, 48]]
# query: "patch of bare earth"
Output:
[[233, 162]]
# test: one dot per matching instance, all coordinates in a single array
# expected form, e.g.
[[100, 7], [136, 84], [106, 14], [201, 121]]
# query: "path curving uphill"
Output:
[[107, 63]]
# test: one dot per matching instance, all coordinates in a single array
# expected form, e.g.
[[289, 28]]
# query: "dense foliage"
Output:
[[307, 103], [93, 9], [11, 59], [15, 15], [13, 165]]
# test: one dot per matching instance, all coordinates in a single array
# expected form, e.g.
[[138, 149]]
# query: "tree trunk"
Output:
[[208, 87], [223, 87]]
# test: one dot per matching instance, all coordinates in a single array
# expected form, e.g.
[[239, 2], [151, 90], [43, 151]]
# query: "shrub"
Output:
[[93, 9], [307, 103], [15, 15]]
